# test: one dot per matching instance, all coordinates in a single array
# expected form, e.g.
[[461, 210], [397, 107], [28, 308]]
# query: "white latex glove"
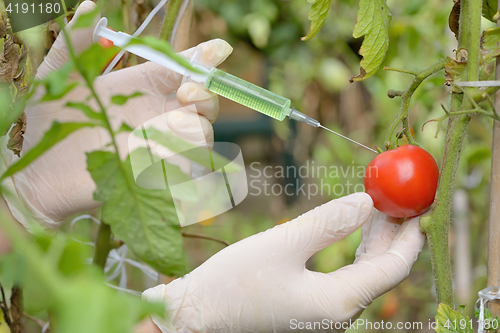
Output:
[[261, 284], [57, 184]]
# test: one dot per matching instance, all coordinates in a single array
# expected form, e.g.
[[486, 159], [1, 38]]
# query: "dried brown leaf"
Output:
[[10, 59], [16, 135], [358, 77], [453, 19]]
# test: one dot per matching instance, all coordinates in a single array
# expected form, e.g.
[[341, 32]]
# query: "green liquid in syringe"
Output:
[[247, 94]]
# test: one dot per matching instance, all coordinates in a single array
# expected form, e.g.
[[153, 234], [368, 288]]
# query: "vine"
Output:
[[436, 225], [406, 98], [464, 103]]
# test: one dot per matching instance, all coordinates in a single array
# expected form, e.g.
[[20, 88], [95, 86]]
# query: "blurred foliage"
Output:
[[56, 279], [315, 76], [449, 320]]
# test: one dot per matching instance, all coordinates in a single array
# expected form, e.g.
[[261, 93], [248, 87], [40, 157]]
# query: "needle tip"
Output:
[[349, 139]]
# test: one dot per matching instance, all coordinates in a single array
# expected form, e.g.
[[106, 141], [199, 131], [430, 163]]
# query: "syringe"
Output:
[[217, 81]]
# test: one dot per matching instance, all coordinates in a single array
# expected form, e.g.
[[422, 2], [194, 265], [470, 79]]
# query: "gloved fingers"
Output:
[[320, 227], [408, 243], [377, 235], [191, 127], [213, 52], [206, 102], [160, 80], [81, 39], [368, 279]]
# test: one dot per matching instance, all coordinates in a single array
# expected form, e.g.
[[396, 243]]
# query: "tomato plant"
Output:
[[402, 182], [312, 71]]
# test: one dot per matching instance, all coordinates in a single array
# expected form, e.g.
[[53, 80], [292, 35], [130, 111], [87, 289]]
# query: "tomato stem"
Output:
[[103, 245], [437, 224], [169, 21], [405, 103]]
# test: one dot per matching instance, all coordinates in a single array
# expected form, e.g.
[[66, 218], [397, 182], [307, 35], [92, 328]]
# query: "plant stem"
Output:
[[126, 16], [405, 102], [481, 95], [463, 33], [101, 252], [189, 235], [102, 245], [170, 18], [36, 320], [475, 7], [405, 71], [437, 224], [4, 307]]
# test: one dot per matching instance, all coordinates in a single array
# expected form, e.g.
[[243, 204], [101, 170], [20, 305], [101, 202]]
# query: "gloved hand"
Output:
[[57, 184], [261, 284]]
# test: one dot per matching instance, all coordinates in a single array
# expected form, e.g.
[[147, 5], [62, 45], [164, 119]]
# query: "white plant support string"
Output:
[[485, 295], [478, 83], [115, 264], [79, 218], [178, 21], [143, 26]]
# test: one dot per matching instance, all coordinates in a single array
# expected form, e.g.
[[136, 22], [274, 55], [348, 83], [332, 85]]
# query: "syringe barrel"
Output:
[[247, 94]]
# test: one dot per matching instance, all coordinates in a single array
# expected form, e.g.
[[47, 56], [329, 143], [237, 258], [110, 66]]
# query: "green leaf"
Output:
[[146, 220], [56, 133], [489, 321], [93, 61], [489, 9], [10, 110], [478, 155], [122, 99], [449, 321], [124, 128], [373, 23], [317, 16], [87, 110], [88, 305], [87, 19], [490, 44], [164, 47], [201, 155], [56, 83]]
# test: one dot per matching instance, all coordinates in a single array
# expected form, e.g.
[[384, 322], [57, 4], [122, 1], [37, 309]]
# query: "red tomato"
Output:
[[402, 182], [106, 43]]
